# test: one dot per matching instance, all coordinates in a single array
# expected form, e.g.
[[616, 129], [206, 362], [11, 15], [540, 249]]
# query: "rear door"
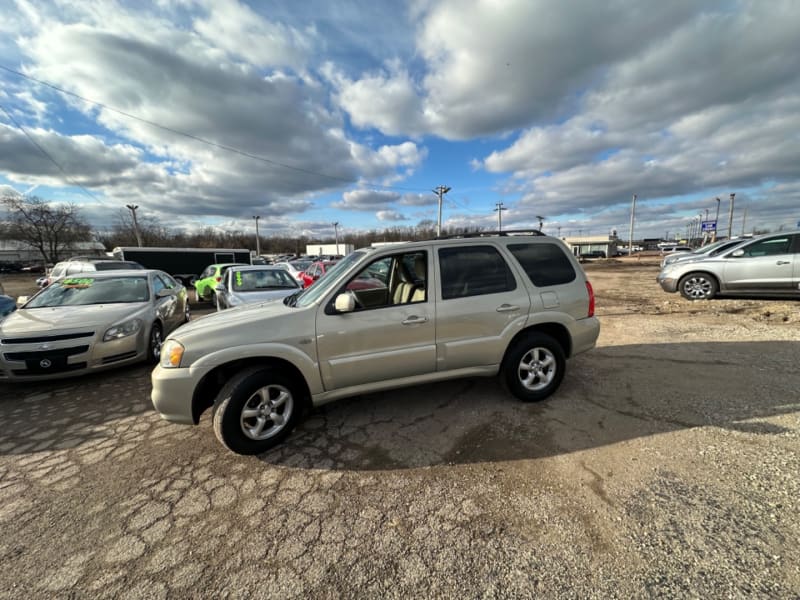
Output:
[[765, 265], [480, 306]]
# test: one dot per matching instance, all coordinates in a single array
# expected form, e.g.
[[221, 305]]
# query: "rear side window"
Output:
[[769, 247], [473, 271], [545, 264]]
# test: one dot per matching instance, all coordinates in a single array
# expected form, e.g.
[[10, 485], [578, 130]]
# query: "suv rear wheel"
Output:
[[256, 410], [534, 367]]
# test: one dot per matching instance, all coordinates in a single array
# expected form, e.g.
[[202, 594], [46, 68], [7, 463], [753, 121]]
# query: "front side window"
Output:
[[769, 247], [545, 264], [390, 281], [473, 271]]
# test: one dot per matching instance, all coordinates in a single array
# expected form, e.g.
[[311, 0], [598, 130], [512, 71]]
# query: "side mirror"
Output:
[[163, 293], [22, 300], [345, 303], [737, 253]]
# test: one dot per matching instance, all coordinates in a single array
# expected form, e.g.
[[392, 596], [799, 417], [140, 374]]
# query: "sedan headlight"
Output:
[[171, 354], [123, 330]]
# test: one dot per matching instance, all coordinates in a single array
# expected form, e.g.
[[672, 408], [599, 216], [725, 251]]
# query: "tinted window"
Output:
[[770, 246], [545, 264], [473, 271]]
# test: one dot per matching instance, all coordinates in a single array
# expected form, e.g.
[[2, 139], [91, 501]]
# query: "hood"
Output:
[[57, 318], [264, 295], [232, 317]]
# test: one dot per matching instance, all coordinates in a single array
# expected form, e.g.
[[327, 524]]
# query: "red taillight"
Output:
[[219, 279], [591, 299]]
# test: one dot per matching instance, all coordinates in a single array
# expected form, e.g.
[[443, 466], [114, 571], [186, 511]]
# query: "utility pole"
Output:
[[744, 219], [559, 231], [336, 236], [730, 217], [541, 222], [716, 221], [133, 208], [440, 191], [499, 210], [258, 239], [630, 236]]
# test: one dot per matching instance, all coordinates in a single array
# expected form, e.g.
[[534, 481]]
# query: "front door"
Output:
[[390, 334], [766, 264]]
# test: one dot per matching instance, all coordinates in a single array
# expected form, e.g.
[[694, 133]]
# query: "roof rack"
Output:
[[505, 232]]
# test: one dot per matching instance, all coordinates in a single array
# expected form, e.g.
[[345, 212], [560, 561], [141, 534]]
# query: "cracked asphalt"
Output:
[[662, 467]]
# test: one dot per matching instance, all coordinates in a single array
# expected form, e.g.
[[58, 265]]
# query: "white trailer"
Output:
[[329, 249]]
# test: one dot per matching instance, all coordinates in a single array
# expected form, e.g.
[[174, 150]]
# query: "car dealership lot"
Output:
[[667, 464]]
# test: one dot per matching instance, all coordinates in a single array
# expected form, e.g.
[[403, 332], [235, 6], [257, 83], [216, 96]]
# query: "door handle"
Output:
[[784, 262], [414, 320], [507, 308]]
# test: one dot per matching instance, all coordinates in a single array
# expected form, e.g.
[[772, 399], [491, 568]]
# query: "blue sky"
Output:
[[207, 112]]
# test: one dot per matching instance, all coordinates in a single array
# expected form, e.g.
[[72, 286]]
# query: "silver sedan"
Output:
[[91, 321], [250, 284]]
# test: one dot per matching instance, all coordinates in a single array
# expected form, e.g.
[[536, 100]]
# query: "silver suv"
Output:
[[765, 265], [514, 305]]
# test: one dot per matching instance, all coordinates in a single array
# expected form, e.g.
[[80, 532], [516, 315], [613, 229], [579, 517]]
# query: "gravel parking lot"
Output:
[[666, 465]]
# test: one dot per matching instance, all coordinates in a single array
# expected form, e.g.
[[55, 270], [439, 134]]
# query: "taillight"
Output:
[[219, 279], [591, 299]]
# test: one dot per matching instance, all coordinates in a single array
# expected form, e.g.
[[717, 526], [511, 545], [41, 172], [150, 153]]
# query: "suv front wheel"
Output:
[[534, 367], [256, 410]]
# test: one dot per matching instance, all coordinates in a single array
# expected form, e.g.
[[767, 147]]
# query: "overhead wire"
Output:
[[19, 126], [197, 138]]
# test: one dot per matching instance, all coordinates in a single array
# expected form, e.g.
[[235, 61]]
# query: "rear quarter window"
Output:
[[474, 271], [545, 264]]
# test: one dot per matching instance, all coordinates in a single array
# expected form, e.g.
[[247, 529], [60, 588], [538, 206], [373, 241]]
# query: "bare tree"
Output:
[[50, 228]]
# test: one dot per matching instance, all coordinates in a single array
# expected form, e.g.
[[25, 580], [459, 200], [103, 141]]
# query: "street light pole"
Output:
[[258, 238], [730, 217], [716, 220], [336, 236], [630, 234], [133, 208], [499, 210]]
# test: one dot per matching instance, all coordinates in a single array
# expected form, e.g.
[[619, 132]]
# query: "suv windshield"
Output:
[[320, 287]]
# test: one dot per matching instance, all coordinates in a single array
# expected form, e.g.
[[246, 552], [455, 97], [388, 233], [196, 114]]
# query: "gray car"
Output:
[[91, 321], [517, 306], [246, 285], [711, 249], [767, 265]]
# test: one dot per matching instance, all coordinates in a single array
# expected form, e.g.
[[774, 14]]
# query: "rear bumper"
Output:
[[584, 334]]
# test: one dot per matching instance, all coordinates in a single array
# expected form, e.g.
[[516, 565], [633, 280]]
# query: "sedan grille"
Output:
[[47, 338], [46, 362]]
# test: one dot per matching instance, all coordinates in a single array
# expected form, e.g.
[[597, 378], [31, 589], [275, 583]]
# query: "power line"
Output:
[[49, 157], [198, 138]]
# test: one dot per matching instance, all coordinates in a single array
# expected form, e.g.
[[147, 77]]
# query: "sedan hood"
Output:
[[263, 295], [42, 320]]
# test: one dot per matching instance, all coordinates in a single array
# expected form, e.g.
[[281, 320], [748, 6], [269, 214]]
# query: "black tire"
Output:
[[155, 340], [534, 367], [187, 311], [698, 286], [274, 405]]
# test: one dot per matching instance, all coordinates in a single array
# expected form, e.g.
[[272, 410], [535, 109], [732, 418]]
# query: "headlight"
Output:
[[123, 330], [171, 354]]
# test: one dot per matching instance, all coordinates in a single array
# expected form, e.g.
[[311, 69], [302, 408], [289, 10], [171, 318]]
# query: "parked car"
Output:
[[674, 249], [7, 304], [83, 265], [295, 268], [517, 306], [209, 279], [765, 265], [593, 254], [708, 250], [89, 322], [245, 285], [316, 270]]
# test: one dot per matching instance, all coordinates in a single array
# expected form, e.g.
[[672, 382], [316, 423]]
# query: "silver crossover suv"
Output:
[[381, 318], [768, 265]]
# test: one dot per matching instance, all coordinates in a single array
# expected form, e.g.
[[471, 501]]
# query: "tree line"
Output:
[[53, 229]]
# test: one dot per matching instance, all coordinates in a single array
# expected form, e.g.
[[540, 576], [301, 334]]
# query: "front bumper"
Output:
[[172, 393], [668, 284]]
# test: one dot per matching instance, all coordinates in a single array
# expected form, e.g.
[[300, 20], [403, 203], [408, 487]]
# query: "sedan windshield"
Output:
[[79, 291]]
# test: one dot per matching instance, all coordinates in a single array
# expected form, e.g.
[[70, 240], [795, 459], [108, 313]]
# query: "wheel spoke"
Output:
[[548, 361], [248, 413], [256, 430], [280, 400], [277, 418]]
